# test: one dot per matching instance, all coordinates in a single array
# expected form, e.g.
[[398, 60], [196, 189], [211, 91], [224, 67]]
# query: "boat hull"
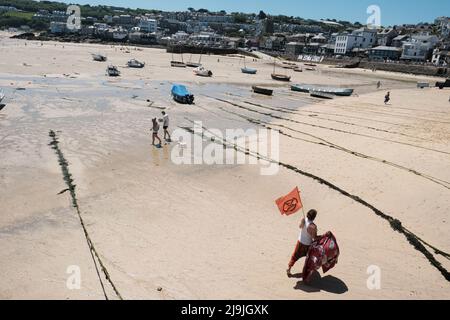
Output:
[[249, 71], [321, 95], [264, 91], [343, 92], [281, 77], [178, 64]]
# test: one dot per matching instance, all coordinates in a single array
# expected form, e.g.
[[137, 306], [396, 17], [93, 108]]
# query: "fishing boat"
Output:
[[310, 69], [344, 92], [2, 96], [202, 72], [133, 63], [261, 90], [112, 71], [279, 77], [310, 64], [181, 94], [248, 70], [298, 69], [99, 57], [321, 95]]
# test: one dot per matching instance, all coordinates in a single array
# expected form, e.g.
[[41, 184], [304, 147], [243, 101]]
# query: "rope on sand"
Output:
[[395, 224], [67, 176]]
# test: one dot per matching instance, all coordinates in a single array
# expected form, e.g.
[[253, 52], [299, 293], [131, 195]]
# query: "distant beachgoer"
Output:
[[307, 235], [378, 84], [155, 130], [166, 126], [387, 98]]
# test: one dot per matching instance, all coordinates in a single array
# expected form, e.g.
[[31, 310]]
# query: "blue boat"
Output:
[[181, 94], [248, 70]]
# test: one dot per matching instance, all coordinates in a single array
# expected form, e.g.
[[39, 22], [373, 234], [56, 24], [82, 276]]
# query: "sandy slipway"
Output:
[[101, 198]]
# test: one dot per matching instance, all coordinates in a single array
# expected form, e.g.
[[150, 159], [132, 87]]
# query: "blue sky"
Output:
[[392, 11]]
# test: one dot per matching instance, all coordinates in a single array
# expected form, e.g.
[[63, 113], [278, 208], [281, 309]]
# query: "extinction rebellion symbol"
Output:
[[290, 205]]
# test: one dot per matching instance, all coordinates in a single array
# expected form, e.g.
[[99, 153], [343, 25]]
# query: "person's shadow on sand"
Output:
[[328, 284]]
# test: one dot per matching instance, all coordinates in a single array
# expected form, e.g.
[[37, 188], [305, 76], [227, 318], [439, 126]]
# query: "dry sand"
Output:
[[212, 232]]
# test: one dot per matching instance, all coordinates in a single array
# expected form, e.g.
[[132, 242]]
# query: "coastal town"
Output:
[[425, 44]]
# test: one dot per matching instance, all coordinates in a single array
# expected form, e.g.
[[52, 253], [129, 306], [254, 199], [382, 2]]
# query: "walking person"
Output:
[[308, 234], [155, 130], [387, 98], [378, 84], [165, 120]]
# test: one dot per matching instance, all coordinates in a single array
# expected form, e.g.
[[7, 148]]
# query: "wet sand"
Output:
[[213, 232]]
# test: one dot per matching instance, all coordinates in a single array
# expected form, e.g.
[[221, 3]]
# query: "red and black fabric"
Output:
[[323, 253]]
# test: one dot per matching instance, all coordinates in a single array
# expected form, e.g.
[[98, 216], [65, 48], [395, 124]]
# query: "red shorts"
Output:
[[300, 251]]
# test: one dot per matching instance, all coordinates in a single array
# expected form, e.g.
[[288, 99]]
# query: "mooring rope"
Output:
[[67, 176]]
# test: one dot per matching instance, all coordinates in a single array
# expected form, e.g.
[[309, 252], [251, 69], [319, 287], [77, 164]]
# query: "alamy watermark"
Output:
[[232, 147], [74, 19], [73, 281], [374, 19], [374, 280]]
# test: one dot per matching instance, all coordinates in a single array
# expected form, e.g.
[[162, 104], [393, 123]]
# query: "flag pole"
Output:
[[303, 209]]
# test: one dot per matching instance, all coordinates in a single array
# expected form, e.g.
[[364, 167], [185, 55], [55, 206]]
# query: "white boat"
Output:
[[248, 70], [112, 71], [202, 72], [133, 63]]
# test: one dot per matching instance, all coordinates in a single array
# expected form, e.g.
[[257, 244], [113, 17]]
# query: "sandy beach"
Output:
[[167, 231]]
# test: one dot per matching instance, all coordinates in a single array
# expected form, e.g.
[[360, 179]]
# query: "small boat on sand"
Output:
[[298, 69], [261, 90], [344, 92], [181, 94], [99, 57], [202, 72], [249, 70], [2, 96], [310, 69], [321, 95], [281, 77], [112, 71], [133, 63]]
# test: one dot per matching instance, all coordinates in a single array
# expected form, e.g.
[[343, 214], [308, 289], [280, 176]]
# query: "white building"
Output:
[[207, 39], [148, 25], [180, 36], [359, 39], [419, 48]]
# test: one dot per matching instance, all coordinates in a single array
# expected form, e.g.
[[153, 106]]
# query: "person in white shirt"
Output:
[[308, 234], [166, 126]]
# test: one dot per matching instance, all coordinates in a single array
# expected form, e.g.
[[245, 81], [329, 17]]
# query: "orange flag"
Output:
[[291, 203]]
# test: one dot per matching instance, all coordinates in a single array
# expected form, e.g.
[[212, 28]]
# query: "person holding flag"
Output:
[[289, 205], [308, 234]]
